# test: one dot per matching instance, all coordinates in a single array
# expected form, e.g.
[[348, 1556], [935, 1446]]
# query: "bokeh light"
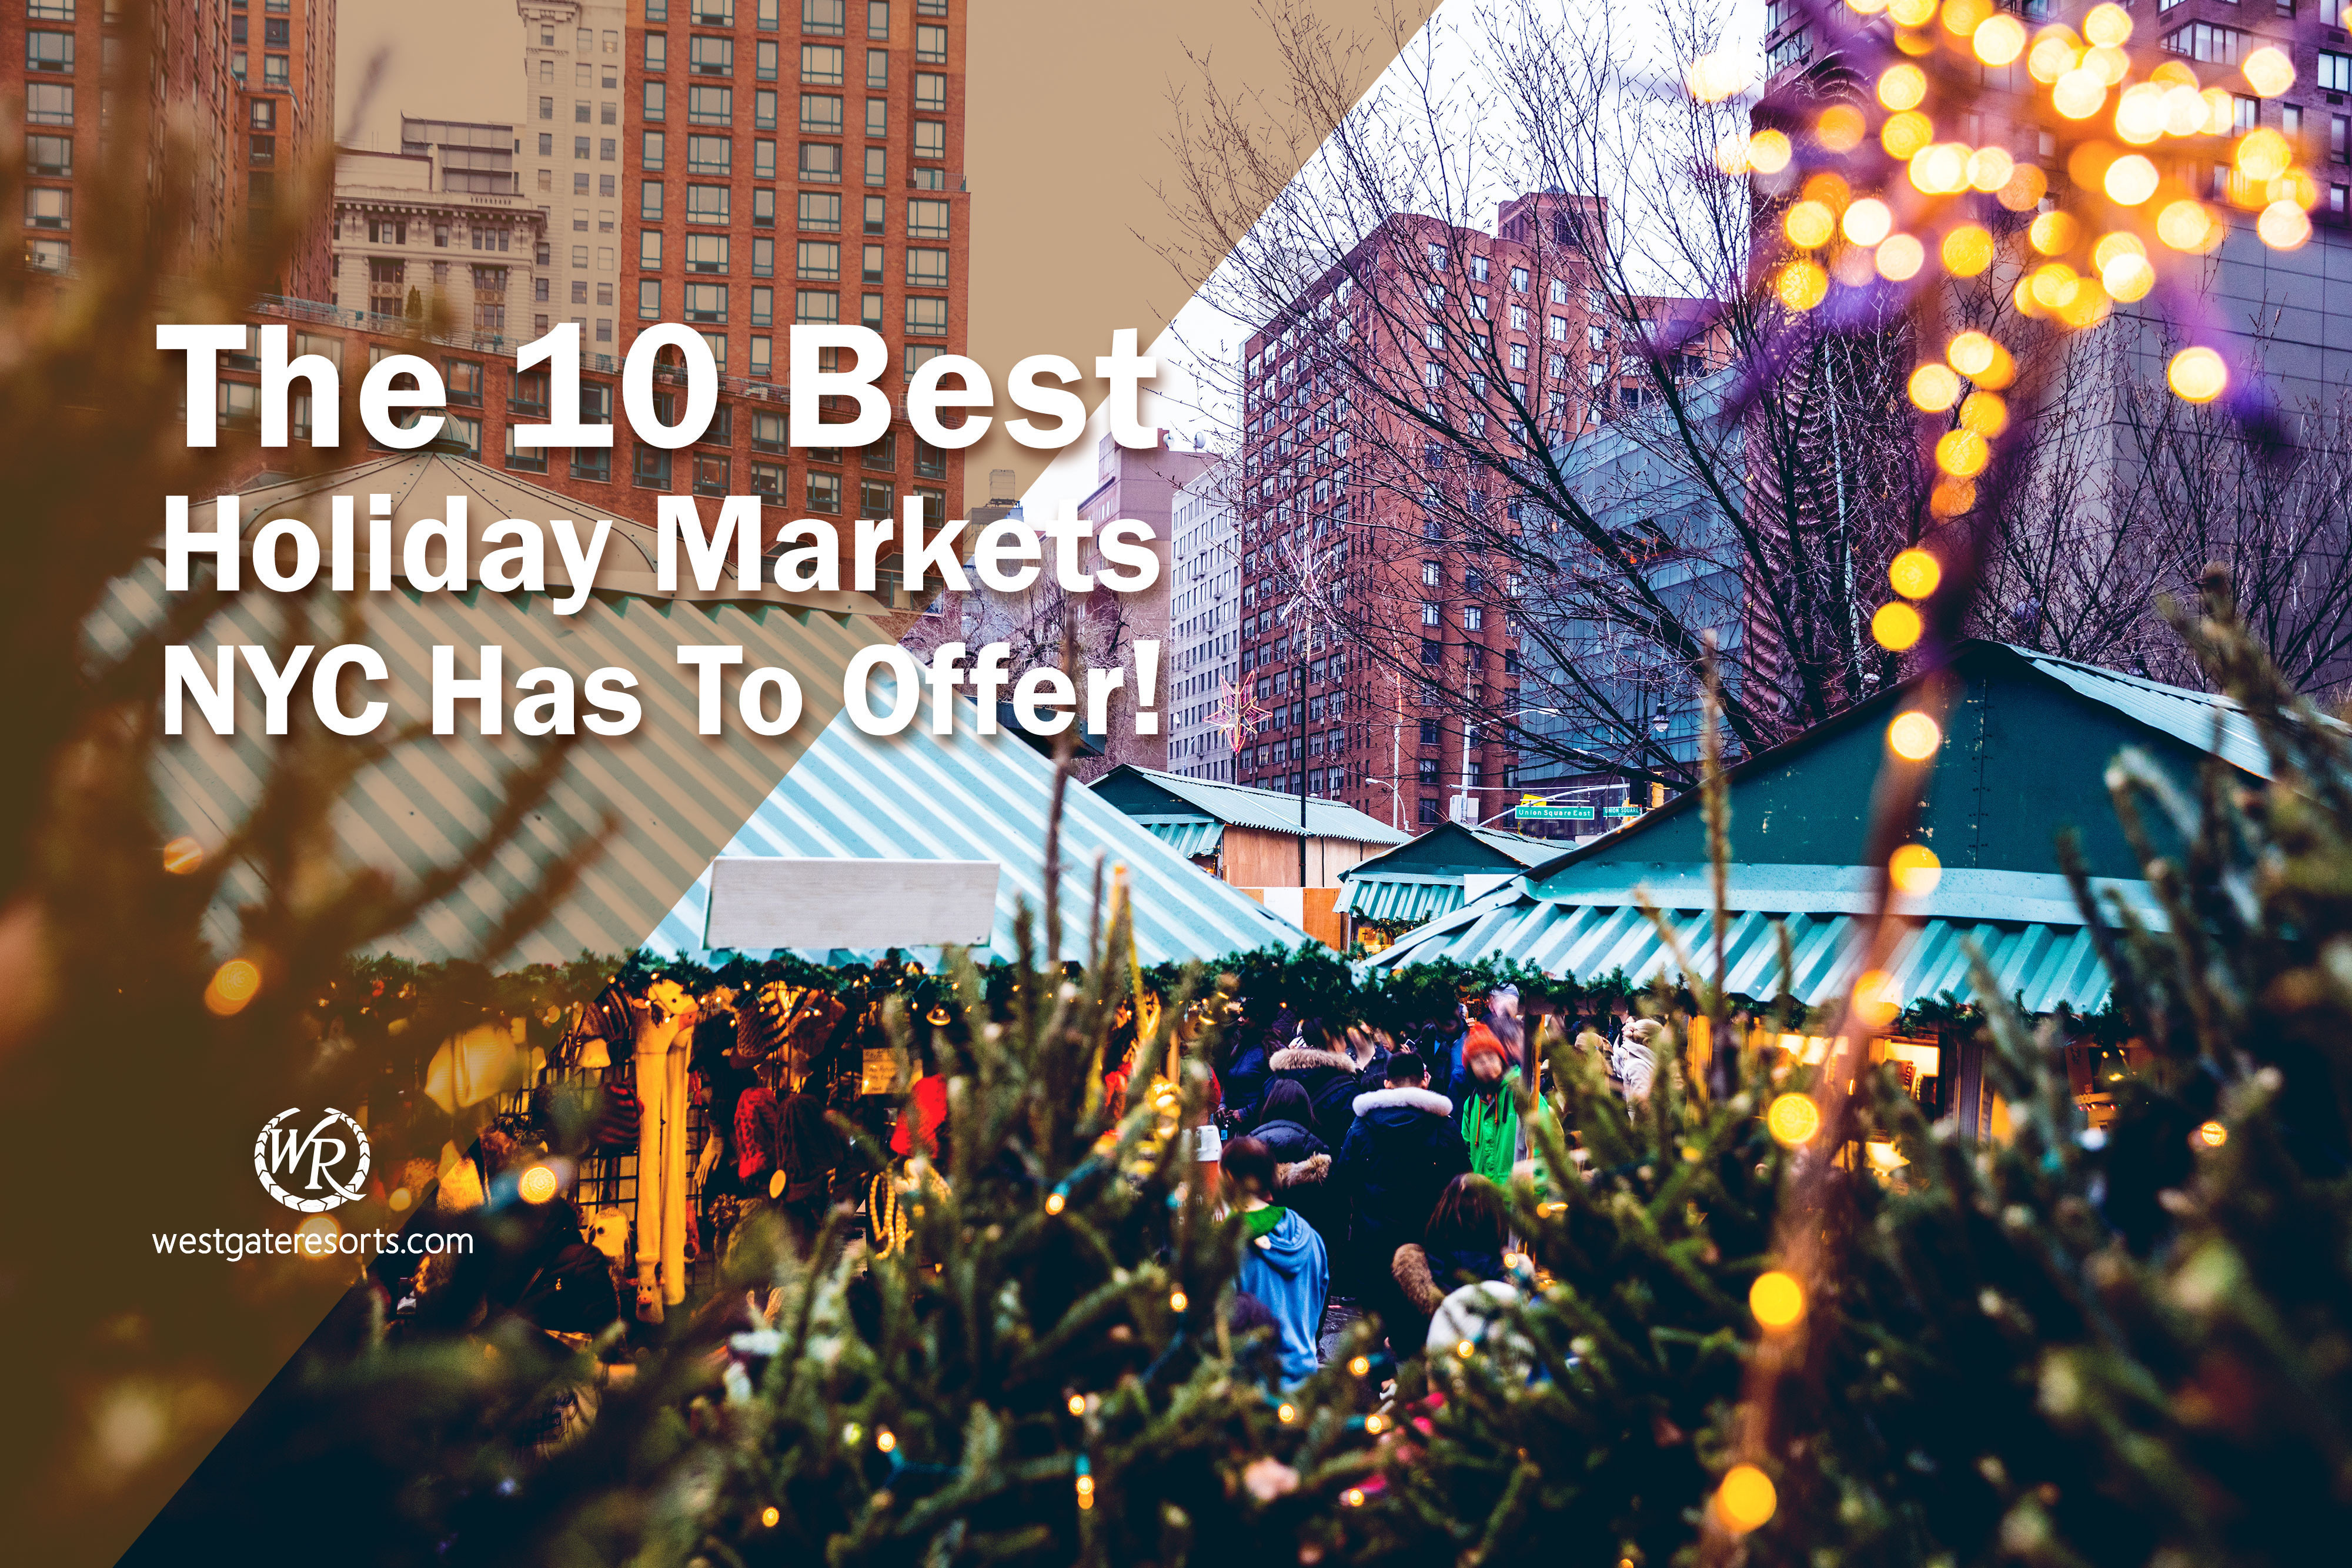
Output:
[[1914, 736], [1776, 1300], [1896, 627], [2197, 375], [1914, 870], [1915, 574]]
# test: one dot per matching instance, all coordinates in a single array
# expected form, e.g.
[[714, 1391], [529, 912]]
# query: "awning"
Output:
[[1188, 836], [1410, 899]]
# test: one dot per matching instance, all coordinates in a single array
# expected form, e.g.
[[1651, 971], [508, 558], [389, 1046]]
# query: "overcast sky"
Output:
[[444, 60]]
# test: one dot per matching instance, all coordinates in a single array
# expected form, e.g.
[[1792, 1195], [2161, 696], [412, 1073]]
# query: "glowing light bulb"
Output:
[[1793, 1119], [1360, 1367], [2213, 1134], [2197, 375], [1178, 1301], [1997, 40], [1841, 127], [1376, 1423], [771, 1515], [1746, 1499], [2269, 71], [1914, 870], [1464, 1349], [2131, 180], [1914, 736], [1914, 573], [1896, 627], [1867, 221], [1935, 387], [885, 1439], [1902, 86], [1776, 1300], [1809, 224], [537, 1185], [1286, 1412], [1801, 283], [1352, 1498], [1055, 1203], [1768, 152], [1901, 257]]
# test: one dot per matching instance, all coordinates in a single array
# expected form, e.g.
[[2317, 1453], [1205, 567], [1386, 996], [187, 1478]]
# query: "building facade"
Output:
[[1371, 682], [251, 82], [1205, 626], [793, 160], [438, 234], [570, 158]]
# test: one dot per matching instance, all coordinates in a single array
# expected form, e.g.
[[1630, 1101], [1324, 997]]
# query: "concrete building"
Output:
[[1141, 485], [1205, 626], [570, 157], [253, 80], [782, 161], [436, 233]]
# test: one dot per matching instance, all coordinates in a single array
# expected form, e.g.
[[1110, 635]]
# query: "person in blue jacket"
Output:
[[1284, 1263]]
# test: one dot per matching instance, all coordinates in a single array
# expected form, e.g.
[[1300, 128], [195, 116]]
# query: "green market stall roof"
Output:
[[675, 799], [1191, 814], [2026, 742], [1433, 875]]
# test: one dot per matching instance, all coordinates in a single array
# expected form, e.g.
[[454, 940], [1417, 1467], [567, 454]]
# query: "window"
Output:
[[930, 462], [873, 265], [931, 45], [705, 253], [768, 483], [875, 209], [878, 18], [2246, 112], [876, 498], [57, 10], [650, 468], [1474, 618], [926, 268], [1557, 328], [927, 318], [821, 160], [657, 51], [930, 139], [763, 256], [763, 108], [711, 56], [919, 355], [824, 16], [820, 259], [657, 102], [707, 154], [593, 462], [650, 154], [648, 299], [49, 155], [823, 492], [2334, 70], [764, 208], [707, 105], [608, 114], [705, 304], [763, 306], [821, 113], [1428, 812], [877, 70], [765, 65], [767, 432], [930, 92], [711, 12], [710, 470], [580, 147], [50, 52], [2203, 41], [877, 116], [48, 208], [56, 255], [820, 210], [649, 202], [869, 311], [877, 165], [48, 103], [817, 305], [547, 109], [708, 204]]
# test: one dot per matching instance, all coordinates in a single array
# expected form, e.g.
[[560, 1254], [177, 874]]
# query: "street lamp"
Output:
[[1469, 728]]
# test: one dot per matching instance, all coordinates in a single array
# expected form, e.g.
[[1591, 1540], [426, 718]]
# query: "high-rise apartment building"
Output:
[[1373, 681], [1141, 484], [572, 159], [1203, 659], [794, 160], [252, 80]]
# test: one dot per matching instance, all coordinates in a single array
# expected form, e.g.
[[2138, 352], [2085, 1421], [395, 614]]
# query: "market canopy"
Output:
[[1192, 813], [1435, 873], [2026, 743]]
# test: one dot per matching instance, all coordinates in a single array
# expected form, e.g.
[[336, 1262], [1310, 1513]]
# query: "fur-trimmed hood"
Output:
[[1410, 1269], [1405, 1097], [1312, 1171], [1308, 1059]]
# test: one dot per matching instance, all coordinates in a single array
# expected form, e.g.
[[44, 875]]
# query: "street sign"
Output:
[[1623, 810], [1553, 813]]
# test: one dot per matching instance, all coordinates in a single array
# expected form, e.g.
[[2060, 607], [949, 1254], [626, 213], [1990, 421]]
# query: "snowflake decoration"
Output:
[[1237, 715]]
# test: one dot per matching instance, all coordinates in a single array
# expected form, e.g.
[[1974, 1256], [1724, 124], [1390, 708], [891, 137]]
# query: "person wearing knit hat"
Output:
[[1487, 1095]]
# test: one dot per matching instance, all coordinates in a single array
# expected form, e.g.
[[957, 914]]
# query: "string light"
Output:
[[2213, 1134], [885, 1439], [1178, 1301], [233, 984], [1353, 1497], [1286, 1412], [1464, 1349], [1896, 627], [1055, 1202], [1776, 1300], [1914, 870], [1376, 1423], [1077, 1404], [1085, 1485], [1914, 573], [537, 1185], [1793, 1119], [1746, 1500], [182, 855], [771, 1515], [1360, 1367], [1914, 736]]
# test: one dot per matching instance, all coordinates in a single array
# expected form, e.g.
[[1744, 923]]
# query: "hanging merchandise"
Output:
[[665, 1020]]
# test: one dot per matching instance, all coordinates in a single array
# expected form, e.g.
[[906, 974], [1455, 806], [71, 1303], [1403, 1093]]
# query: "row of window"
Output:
[[715, 56], [827, 16]]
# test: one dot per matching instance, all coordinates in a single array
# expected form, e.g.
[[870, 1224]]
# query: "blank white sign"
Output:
[[759, 901]]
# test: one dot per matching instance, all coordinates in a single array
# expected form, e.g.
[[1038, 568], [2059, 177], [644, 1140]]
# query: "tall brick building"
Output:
[[797, 161], [1377, 705], [252, 82]]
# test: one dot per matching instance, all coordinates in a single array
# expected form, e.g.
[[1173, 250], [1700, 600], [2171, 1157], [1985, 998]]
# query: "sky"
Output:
[[444, 60]]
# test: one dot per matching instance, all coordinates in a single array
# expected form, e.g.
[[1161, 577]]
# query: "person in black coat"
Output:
[[1400, 1153], [1302, 1166], [1315, 1062]]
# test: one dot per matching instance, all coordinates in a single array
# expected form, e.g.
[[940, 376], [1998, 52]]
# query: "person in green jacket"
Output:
[[1489, 1095]]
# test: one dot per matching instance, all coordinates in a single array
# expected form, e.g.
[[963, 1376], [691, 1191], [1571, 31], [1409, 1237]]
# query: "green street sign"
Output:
[[1553, 813], [1623, 810]]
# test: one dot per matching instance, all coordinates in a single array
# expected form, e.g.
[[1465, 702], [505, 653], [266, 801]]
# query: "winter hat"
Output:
[[1481, 1041], [1286, 1101]]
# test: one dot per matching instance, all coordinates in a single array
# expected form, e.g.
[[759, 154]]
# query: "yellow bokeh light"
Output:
[[1914, 736], [1914, 573], [2128, 276], [2140, 113], [1746, 1500], [2184, 106], [1360, 1366], [233, 984], [1935, 387], [2296, 185], [1998, 39], [1904, 134], [1950, 497], [1866, 8], [1991, 168], [1962, 454], [1830, 190], [1971, 353], [2213, 1134], [1776, 1300], [1178, 1301], [1867, 221], [1901, 257], [2174, 72], [2108, 246], [2107, 24], [182, 855], [771, 1515], [2263, 155], [1896, 627], [1902, 86], [538, 1183], [2087, 306], [1793, 1119], [325, 1228], [2053, 285], [1877, 999], [1968, 250], [2109, 64], [2025, 189], [1911, 13], [1985, 414], [2053, 233], [2220, 112], [2269, 71], [2079, 94], [1731, 154], [1077, 1406], [1768, 152], [1801, 284], [1809, 224], [1841, 127], [2283, 225], [1914, 870], [2131, 180], [1716, 76], [2052, 56], [2188, 226], [2197, 375], [1940, 168], [885, 1439], [1961, 16]]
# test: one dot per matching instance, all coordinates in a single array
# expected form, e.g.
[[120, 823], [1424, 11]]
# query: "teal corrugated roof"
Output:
[[1520, 847], [972, 797], [1391, 898], [1188, 836], [2188, 717], [1239, 805], [2049, 964]]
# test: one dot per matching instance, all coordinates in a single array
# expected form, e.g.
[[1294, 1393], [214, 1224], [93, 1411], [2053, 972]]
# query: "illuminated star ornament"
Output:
[[1237, 715]]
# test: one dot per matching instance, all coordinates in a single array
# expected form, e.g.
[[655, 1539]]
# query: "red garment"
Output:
[[755, 1131], [930, 1110]]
